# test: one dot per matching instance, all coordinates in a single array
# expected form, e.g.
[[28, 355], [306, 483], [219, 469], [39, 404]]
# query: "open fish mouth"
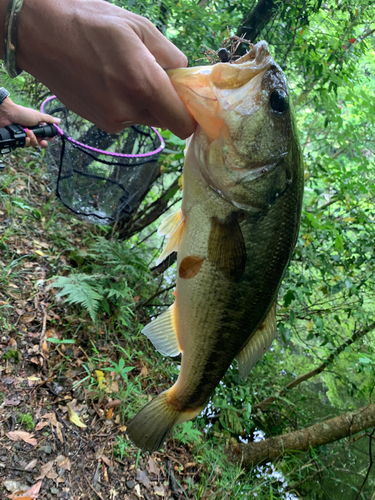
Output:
[[210, 91]]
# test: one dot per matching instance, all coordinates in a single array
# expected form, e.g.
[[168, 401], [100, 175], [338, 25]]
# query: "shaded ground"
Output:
[[60, 420]]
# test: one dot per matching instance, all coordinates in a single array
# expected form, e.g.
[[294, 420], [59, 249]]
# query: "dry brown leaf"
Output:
[[31, 494], [27, 318], [109, 415], [12, 344], [22, 436], [154, 469], [144, 370], [113, 404], [11, 402], [31, 464], [106, 460], [40, 425], [51, 417], [45, 469], [37, 361], [63, 462], [159, 490], [142, 478], [45, 348], [106, 474]]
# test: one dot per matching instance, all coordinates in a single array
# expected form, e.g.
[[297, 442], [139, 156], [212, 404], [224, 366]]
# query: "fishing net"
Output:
[[100, 177]]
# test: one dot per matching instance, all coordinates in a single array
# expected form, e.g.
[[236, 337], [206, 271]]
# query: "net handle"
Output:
[[101, 151]]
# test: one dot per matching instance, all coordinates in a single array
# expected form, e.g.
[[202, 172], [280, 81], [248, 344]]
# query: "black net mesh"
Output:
[[92, 178]]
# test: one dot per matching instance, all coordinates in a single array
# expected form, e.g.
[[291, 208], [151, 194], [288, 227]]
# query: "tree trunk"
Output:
[[257, 19], [316, 435]]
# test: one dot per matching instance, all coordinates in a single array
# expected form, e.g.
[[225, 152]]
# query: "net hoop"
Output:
[[101, 151]]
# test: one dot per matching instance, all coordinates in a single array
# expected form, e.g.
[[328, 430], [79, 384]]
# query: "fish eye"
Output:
[[279, 101]]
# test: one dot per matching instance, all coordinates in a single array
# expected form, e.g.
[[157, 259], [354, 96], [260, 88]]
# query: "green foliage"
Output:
[[187, 434], [12, 354], [111, 272], [26, 420]]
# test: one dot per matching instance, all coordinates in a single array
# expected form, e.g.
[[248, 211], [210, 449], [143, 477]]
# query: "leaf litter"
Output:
[[70, 422]]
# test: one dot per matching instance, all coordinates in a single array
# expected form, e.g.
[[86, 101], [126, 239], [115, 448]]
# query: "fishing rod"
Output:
[[14, 136]]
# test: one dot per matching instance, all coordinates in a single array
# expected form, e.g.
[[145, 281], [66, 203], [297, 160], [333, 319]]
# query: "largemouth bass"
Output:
[[235, 232]]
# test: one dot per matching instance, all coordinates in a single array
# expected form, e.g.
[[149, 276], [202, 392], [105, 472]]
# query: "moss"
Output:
[[26, 420], [11, 354]]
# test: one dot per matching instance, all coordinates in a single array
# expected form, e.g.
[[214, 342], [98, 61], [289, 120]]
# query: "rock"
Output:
[[17, 446], [130, 484], [98, 487], [54, 490], [47, 449]]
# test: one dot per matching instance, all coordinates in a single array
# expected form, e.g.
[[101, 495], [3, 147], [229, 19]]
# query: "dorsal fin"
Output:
[[162, 333], [172, 227], [258, 344]]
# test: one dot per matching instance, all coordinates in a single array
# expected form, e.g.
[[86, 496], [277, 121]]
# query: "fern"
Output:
[[80, 289]]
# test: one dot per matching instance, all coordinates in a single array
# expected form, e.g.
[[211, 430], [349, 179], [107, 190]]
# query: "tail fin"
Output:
[[150, 427]]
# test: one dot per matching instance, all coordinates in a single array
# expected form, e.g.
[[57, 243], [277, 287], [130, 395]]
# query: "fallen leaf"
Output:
[[137, 490], [27, 318], [63, 462], [74, 418], [51, 417], [113, 404], [31, 464], [154, 469], [12, 344], [142, 478], [31, 494], [144, 370], [159, 490], [22, 436], [45, 469], [109, 415], [11, 402], [40, 425], [39, 253], [106, 460]]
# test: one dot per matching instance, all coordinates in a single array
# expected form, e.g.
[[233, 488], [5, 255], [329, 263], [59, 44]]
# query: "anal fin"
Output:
[[172, 227], [162, 333], [258, 344]]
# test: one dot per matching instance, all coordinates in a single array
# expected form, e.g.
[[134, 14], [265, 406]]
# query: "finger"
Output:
[[43, 143], [33, 140], [43, 117], [166, 105], [164, 51]]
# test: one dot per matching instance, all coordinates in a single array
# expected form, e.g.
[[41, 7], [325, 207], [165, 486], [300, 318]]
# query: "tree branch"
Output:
[[257, 19], [311, 437], [306, 376]]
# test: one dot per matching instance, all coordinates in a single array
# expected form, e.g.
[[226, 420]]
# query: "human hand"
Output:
[[104, 63], [11, 112]]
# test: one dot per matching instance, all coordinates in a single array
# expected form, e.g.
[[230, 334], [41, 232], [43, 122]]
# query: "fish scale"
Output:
[[234, 234]]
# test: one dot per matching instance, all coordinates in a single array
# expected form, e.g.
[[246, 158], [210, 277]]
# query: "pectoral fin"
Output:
[[190, 267], [258, 344], [162, 333], [172, 227], [226, 247]]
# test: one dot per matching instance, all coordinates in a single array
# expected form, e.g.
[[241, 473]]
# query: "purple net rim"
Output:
[[101, 151]]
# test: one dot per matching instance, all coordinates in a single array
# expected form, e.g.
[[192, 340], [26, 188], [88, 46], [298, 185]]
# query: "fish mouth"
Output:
[[207, 91]]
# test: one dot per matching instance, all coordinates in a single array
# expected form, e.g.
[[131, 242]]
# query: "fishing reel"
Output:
[[14, 136]]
